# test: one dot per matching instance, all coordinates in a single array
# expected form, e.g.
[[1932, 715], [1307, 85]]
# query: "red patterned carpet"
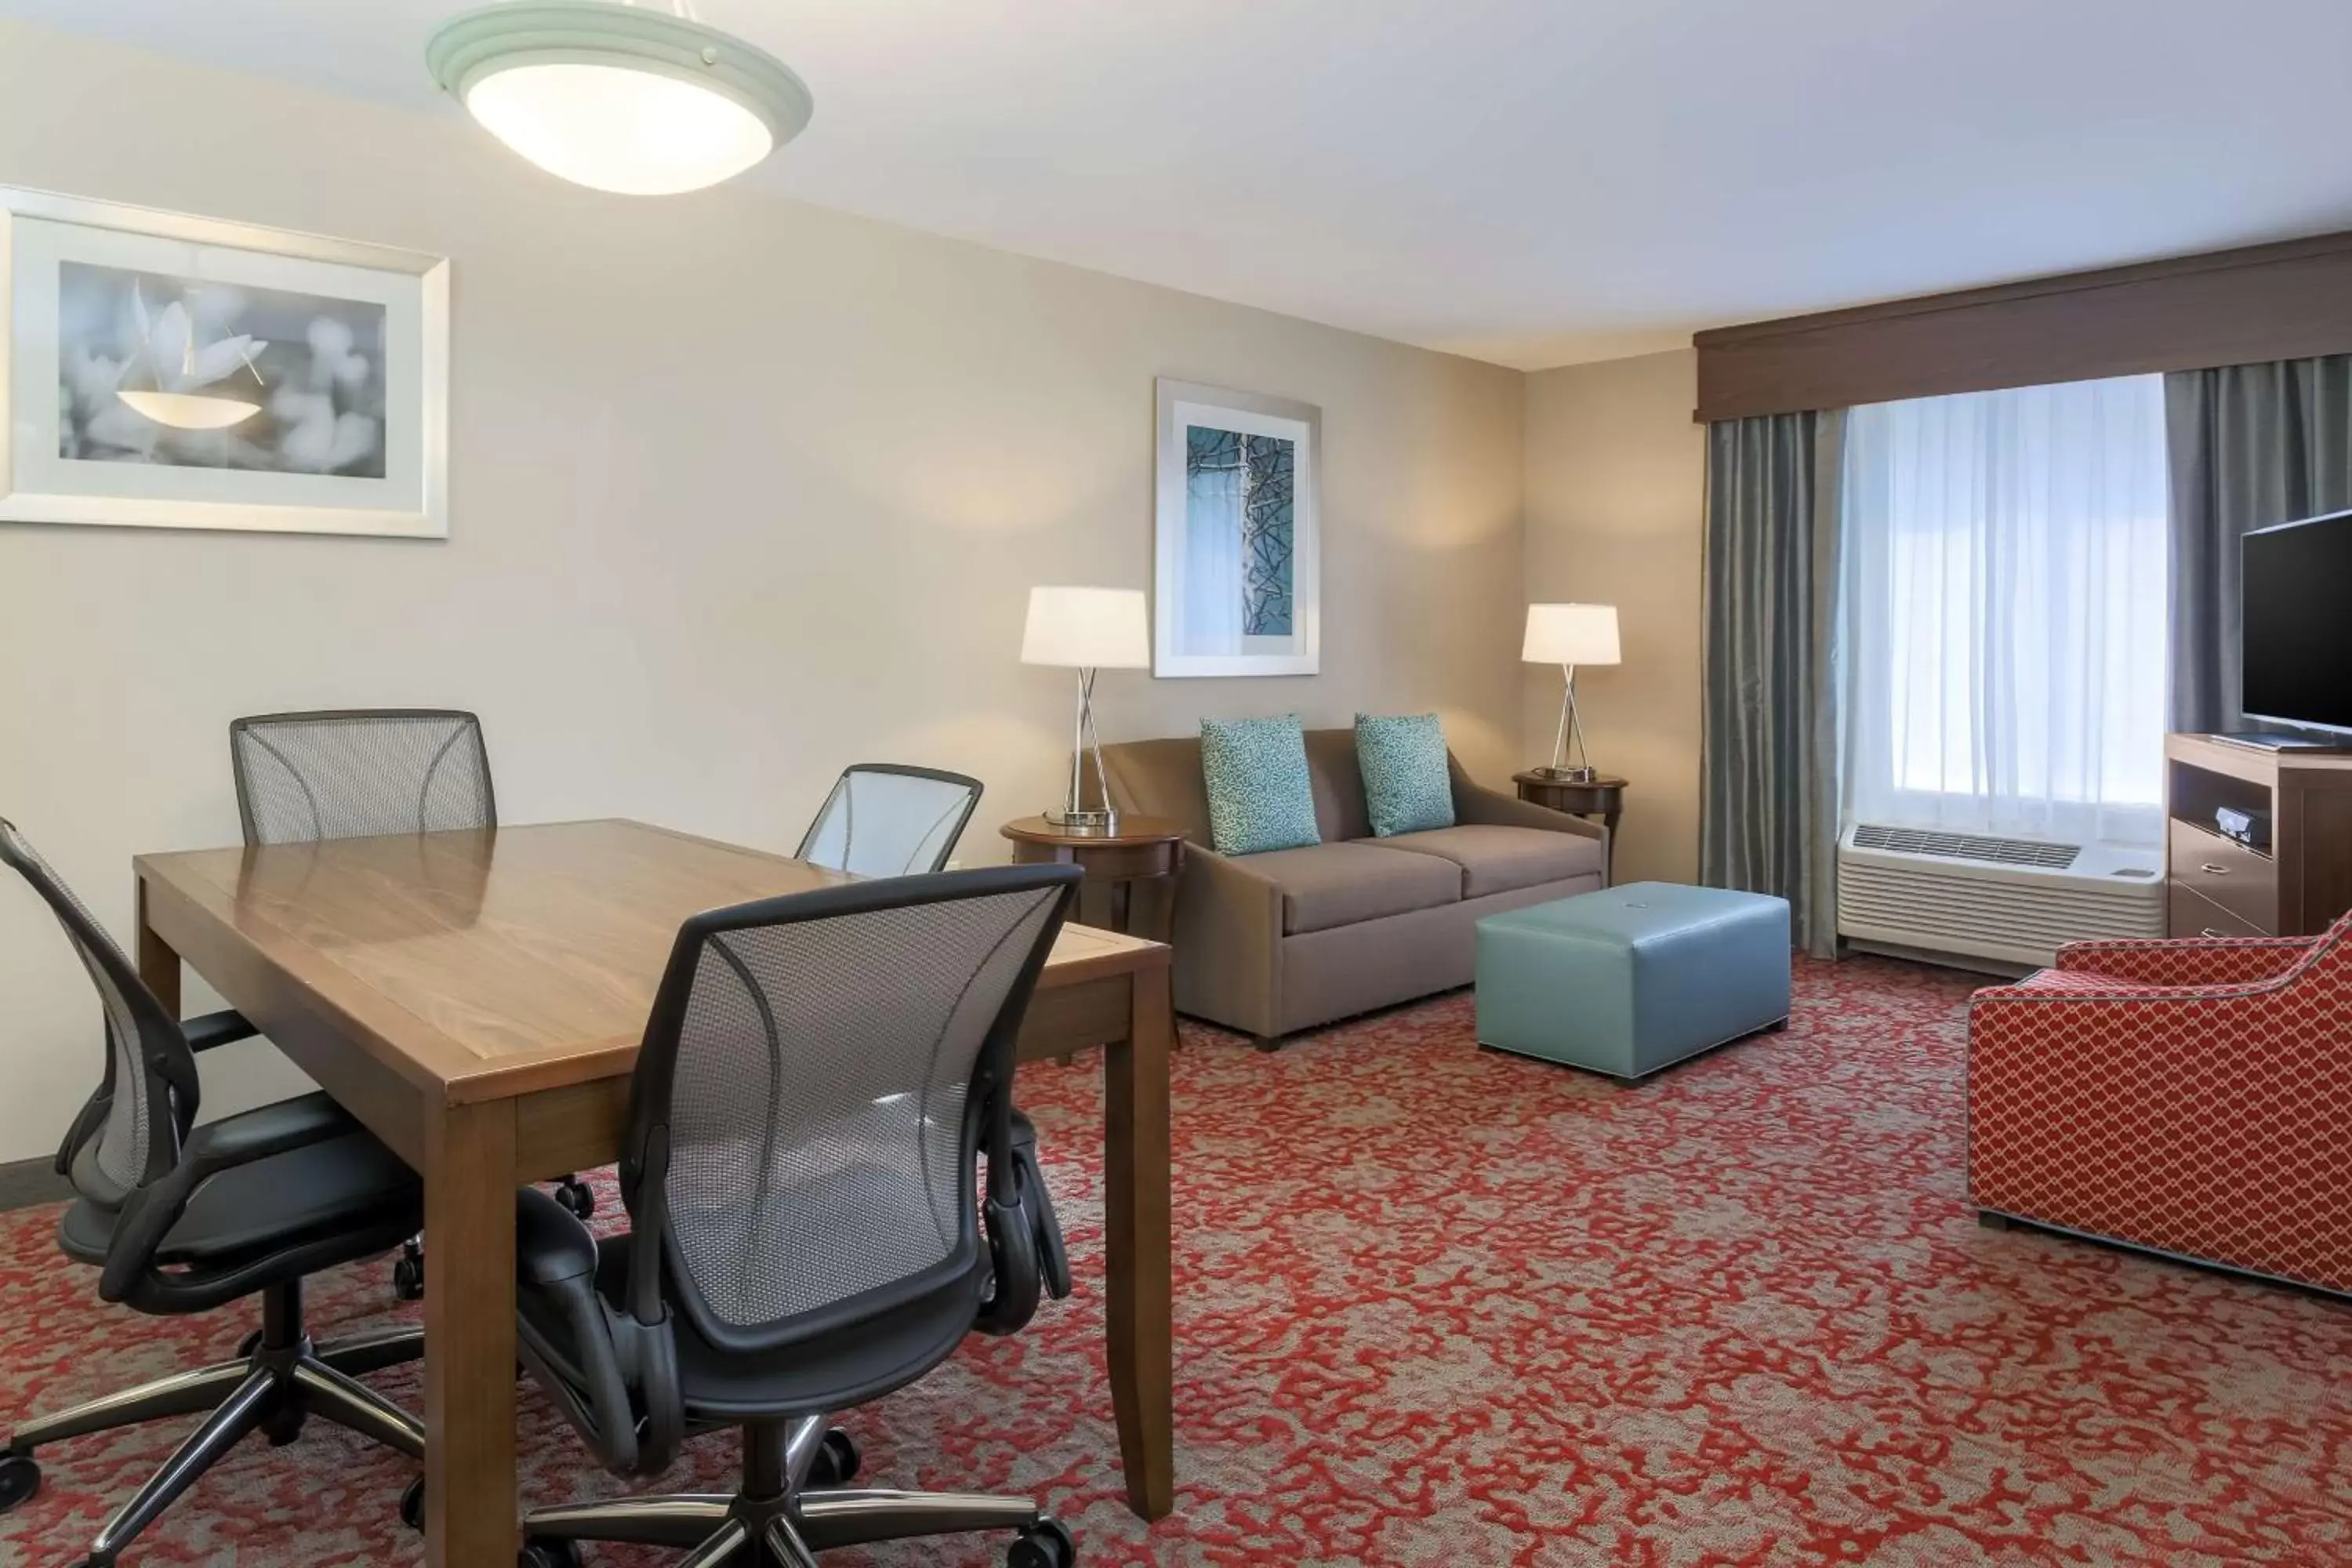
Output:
[[1441, 1307]]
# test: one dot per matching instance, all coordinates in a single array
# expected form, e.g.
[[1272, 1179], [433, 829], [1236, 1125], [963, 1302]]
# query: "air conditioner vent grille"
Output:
[[1966, 846]]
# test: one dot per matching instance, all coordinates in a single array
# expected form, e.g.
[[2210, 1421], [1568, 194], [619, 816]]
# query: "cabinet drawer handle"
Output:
[[2211, 869]]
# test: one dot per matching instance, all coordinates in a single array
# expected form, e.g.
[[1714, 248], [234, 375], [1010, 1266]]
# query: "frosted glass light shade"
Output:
[[619, 98], [613, 129], [1087, 628], [1570, 634]]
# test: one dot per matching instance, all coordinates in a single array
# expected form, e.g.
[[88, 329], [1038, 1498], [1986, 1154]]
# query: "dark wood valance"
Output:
[[2226, 306]]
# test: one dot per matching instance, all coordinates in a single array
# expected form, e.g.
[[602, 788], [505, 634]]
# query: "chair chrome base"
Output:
[[280, 1381], [777, 1521]]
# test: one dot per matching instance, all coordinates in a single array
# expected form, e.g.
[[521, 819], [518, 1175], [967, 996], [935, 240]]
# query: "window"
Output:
[[2003, 611]]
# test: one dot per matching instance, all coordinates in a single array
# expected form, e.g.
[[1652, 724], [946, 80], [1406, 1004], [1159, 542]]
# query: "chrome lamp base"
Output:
[[1571, 727], [1075, 816]]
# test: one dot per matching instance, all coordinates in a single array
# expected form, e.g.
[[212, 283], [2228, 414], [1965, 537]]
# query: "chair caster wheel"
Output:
[[20, 1479], [837, 1460], [411, 1505], [578, 1197], [1044, 1544], [247, 1345], [408, 1273], [544, 1552], [284, 1425]]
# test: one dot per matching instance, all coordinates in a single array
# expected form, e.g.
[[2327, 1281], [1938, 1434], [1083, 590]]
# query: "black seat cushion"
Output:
[[352, 1186], [830, 1371]]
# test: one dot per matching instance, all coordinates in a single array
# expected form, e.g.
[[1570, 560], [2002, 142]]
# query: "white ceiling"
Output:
[[1532, 182]]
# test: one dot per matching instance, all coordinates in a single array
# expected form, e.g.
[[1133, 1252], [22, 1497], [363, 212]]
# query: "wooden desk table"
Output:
[[477, 999]]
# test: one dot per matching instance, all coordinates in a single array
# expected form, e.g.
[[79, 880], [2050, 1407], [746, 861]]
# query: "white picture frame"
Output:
[[350, 432], [1237, 588]]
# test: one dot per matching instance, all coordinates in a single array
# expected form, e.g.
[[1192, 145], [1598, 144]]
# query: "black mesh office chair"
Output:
[[888, 819], [819, 1075], [181, 1218], [884, 819], [364, 772]]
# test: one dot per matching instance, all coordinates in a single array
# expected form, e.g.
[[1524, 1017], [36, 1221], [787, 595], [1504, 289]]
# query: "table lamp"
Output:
[[1568, 635], [1086, 630]]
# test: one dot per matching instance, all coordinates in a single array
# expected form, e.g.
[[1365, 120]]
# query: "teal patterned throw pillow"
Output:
[[1407, 787], [1261, 797]]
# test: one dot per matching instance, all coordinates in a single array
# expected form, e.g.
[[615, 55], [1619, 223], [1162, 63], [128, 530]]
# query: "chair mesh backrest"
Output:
[[819, 1145], [302, 777], [884, 821], [134, 1096]]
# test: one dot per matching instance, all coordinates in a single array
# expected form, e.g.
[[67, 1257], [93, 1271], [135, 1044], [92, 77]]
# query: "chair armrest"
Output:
[[1228, 938], [216, 1029], [1024, 1238], [1476, 806], [2196, 961], [617, 1383], [551, 1246], [217, 1146]]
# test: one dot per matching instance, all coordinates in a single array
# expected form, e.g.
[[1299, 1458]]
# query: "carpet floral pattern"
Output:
[[1441, 1307]]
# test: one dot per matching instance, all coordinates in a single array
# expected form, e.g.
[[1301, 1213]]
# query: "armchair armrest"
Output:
[[218, 1146], [2193, 961], [2048, 988], [1476, 804], [1227, 935]]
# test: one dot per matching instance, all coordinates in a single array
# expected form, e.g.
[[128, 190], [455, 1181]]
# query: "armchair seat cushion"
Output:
[[1330, 885], [1495, 859]]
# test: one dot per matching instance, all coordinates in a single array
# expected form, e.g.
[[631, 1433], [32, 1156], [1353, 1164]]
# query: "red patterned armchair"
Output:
[[2192, 1098]]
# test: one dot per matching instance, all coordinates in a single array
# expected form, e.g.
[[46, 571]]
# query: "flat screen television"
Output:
[[2295, 615]]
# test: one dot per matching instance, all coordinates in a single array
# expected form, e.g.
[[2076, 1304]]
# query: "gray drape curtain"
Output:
[[2252, 445], [1769, 769]]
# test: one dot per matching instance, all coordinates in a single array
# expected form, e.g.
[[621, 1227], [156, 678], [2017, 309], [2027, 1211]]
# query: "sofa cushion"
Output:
[[1261, 797], [1504, 860], [1408, 787], [1329, 884]]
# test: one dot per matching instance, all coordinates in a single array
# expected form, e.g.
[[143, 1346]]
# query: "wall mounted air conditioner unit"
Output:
[[2010, 900]]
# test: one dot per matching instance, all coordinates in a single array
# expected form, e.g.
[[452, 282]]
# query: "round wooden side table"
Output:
[[1604, 797], [1143, 850]]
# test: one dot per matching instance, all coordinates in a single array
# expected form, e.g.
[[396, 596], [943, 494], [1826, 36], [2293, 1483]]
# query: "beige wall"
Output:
[[1615, 499], [742, 492]]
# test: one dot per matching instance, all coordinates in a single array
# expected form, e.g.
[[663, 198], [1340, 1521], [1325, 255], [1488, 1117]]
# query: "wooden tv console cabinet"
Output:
[[2218, 887]]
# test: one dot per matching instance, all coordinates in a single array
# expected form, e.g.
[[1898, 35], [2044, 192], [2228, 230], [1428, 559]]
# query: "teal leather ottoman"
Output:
[[1631, 979]]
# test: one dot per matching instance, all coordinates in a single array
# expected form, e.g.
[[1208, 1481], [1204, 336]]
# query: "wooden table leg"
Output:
[[159, 965], [470, 1336], [1140, 1300]]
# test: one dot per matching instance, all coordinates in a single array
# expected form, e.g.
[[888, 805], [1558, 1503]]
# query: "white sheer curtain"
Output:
[[2004, 606]]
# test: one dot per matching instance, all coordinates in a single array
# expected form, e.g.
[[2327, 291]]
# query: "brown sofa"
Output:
[[1289, 939]]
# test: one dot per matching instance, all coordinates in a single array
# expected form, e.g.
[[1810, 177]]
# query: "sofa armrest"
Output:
[[2196, 961], [1476, 804], [1228, 941]]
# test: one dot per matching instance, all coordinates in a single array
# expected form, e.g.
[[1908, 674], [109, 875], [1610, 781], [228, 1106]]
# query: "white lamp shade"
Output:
[[1087, 628], [1570, 634]]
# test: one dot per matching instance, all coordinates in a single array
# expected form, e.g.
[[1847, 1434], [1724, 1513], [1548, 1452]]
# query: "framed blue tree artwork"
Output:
[[1237, 550]]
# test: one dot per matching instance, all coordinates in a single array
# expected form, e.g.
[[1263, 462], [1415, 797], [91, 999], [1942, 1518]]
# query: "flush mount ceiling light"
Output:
[[616, 97]]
